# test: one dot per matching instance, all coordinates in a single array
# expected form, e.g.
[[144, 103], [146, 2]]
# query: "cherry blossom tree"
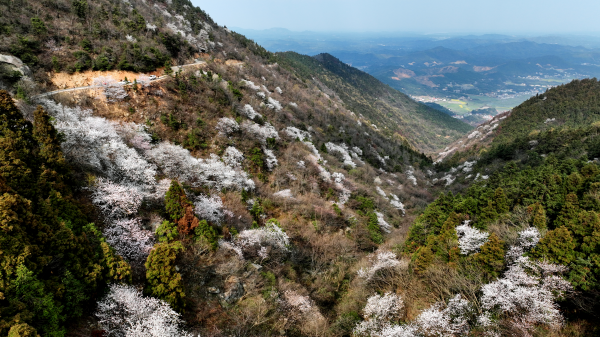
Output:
[[264, 242], [125, 312], [380, 262], [233, 157], [342, 150], [209, 208], [251, 85], [378, 312], [227, 126], [96, 144], [270, 159], [177, 162], [395, 202], [445, 320], [528, 238], [470, 239], [295, 133], [260, 132], [526, 294], [115, 200], [111, 89], [249, 112], [129, 238], [386, 227]]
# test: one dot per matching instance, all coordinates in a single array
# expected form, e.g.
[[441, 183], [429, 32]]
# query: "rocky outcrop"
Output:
[[16, 64]]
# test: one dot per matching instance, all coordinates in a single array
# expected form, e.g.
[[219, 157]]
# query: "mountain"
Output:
[[166, 174], [162, 175], [392, 110]]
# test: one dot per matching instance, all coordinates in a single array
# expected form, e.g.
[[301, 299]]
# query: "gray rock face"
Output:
[[16, 64], [233, 290]]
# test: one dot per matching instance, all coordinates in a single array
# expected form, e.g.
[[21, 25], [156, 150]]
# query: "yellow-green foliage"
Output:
[[52, 260], [163, 281]]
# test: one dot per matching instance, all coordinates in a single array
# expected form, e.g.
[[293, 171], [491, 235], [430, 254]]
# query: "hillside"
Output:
[[228, 196], [522, 195], [566, 108], [427, 129], [245, 193]]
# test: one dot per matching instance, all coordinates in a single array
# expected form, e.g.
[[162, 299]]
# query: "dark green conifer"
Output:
[[491, 256], [501, 201], [175, 201], [557, 247]]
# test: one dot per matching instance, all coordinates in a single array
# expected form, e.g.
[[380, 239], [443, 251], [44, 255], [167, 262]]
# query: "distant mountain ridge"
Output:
[[425, 128]]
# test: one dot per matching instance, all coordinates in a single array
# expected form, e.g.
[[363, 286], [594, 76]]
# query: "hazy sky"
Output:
[[423, 16]]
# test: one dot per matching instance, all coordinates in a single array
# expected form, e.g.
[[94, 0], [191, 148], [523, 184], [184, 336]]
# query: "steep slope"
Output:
[[393, 112], [571, 106], [520, 207], [241, 199]]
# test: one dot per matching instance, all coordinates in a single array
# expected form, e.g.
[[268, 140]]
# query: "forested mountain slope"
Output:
[[240, 196], [392, 111], [230, 197], [520, 209]]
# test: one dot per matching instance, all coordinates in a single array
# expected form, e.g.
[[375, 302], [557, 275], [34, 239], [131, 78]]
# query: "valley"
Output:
[[488, 71]]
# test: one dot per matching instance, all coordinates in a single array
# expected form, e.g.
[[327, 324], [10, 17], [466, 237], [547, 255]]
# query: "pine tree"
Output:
[[501, 201], [17, 149], [569, 213], [175, 201], [491, 256], [167, 232], [54, 165], [422, 259], [205, 232], [373, 227], [538, 216], [557, 247], [487, 215], [163, 281]]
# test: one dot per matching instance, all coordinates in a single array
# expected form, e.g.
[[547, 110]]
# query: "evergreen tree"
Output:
[[538, 216], [557, 247], [175, 201], [167, 232], [374, 229], [487, 215], [491, 256], [205, 232], [422, 259], [54, 165], [163, 281], [569, 213], [501, 201], [17, 148]]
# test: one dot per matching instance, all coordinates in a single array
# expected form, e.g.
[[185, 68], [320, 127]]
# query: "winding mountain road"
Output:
[[174, 68]]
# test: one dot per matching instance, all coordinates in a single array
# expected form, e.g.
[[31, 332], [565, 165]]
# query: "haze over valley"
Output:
[[471, 77]]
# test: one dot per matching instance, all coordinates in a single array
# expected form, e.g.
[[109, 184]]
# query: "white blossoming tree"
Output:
[[382, 263], [129, 238], [470, 239], [265, 242], [125, 312], [209, 208]]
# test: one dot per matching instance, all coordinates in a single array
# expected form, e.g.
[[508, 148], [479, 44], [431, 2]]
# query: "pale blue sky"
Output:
[[423, 16]]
